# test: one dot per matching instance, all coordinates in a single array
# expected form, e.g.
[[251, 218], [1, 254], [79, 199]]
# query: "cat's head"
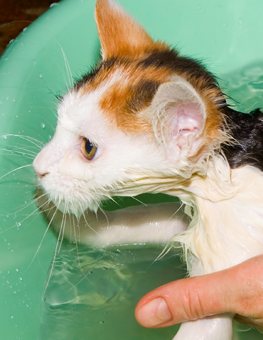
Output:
[[143, 117]]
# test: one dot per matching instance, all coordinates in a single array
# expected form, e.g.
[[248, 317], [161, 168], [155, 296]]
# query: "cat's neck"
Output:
[[226, 209]]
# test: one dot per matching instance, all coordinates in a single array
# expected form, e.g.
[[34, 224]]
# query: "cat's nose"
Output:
[[41, 174], [40, 166]]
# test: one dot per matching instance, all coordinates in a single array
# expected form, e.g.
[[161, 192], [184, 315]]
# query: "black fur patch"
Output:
[[247, 130], [171, 60], [92, 74], [142, 95]]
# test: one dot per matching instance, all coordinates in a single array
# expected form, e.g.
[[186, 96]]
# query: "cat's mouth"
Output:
[[68, 195]]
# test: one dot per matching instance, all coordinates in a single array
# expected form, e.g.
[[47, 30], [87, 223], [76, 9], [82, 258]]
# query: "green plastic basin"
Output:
[[226, 35]]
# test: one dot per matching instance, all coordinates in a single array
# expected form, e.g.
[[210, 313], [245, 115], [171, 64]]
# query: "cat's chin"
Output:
[[67, 208]]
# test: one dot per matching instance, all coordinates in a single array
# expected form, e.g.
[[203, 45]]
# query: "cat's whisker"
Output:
[[87, 224], [30, 139], [164, 252], [136, 199], [68, 69], [24, 206], [41, 242], [21, 221], [54, 258], [67, 66], [62, 231], [76, 227], [14, 170], [112, 199], [180, 207], [25, 153]]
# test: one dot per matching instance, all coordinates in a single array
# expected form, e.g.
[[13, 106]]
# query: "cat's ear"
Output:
[[119, 34], [178, 118]]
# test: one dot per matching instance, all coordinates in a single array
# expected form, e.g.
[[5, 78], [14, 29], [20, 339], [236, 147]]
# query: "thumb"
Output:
[[187, 299]]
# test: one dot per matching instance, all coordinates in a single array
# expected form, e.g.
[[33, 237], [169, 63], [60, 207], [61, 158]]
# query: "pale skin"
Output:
[[237, 290]]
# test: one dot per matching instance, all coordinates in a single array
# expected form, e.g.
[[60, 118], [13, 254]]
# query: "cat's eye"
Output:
[[88, 149]]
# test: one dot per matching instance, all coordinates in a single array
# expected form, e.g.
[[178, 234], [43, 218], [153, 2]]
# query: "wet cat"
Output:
[[147, 119]]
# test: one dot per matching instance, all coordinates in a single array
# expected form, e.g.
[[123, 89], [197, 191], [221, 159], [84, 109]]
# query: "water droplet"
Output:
[[54, 4], [17, 270], [43, 126], [12, 317], [6, 59], [4, 136], [20, 279], [24, 29], [40, 75], [101, 322], [10, 42]]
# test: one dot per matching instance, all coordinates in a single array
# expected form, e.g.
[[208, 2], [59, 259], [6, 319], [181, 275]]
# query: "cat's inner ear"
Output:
[[179, 117], [119, 34]]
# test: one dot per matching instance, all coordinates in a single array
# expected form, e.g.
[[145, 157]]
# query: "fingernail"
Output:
[[154, 313]]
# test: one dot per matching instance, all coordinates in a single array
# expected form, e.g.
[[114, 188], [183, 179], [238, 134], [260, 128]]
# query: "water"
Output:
[[92, 294]]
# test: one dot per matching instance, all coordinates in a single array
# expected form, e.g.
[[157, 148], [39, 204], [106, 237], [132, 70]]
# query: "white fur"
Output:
[[216, 328], [152, 224]]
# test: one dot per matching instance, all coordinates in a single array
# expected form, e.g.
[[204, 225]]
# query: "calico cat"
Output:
[[147, 119]]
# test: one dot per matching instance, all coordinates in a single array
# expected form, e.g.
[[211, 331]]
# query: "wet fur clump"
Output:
[[247, 133]]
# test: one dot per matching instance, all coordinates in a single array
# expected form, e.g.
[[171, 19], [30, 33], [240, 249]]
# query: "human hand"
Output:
[[237, 290]]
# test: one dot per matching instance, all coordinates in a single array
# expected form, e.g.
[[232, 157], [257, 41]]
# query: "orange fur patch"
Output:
[[120, 35]]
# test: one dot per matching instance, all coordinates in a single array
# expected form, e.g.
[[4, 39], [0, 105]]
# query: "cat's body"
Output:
[[148, 120]]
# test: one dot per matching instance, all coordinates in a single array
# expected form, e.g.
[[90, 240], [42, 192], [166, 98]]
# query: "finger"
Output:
[[187, 299]]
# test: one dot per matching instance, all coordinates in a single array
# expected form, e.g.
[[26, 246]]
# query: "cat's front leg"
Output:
[[152, 224], [218, 327]]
